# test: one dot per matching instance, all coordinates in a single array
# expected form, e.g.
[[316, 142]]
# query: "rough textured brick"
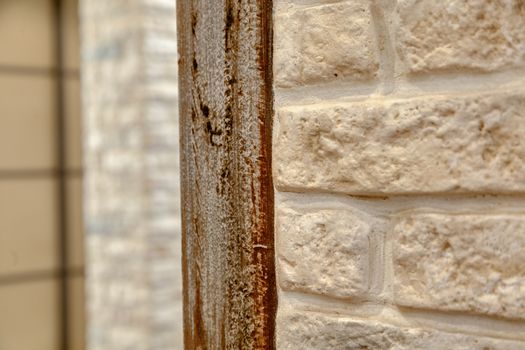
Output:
[[460, 135], [322, 43], [471, 263], [473, 34], [451, 143], [325, 252], [297, 329]]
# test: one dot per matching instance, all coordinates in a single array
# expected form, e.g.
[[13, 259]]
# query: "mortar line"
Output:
[[305, 4], [457, 205], [387, 60], [335, 90], [427, 319], [405, 88]]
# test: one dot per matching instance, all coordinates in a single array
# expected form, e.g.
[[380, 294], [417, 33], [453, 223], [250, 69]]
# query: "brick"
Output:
[[297, 329], [471, 34], [322, 43], [471, 263], [441, 144], [323, 252]]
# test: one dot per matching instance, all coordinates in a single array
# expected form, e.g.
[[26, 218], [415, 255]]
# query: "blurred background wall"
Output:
[[41, 229], [131, 156]]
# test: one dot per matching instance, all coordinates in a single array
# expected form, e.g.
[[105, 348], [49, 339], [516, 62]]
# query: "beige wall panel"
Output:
[[26, 33], [29, 316], [28, 226], [27, 122]]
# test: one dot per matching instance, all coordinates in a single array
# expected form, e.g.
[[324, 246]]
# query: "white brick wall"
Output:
[[399, 164]]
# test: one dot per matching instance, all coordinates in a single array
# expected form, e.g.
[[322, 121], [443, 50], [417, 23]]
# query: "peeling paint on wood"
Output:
[[227, 193]]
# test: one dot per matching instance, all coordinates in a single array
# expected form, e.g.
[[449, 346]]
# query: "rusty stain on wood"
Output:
[[227, 192]]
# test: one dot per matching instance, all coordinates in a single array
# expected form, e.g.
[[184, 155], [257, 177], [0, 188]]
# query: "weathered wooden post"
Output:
[[227, 194]]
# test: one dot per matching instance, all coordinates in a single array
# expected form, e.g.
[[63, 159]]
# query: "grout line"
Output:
[[33, 276], [30, 174], [62, 190], [460, 83], [319, 93], [39, 71], [27, 174], [387, 60], [377, 262], [387, 292], [451, 322], [446, 84], [381, 207], [304, 4]]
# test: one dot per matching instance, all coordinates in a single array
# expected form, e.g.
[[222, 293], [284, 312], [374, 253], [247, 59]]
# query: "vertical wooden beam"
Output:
[[227, 192]]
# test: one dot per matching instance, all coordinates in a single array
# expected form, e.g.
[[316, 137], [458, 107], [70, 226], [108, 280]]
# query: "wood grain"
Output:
[[227, 192]]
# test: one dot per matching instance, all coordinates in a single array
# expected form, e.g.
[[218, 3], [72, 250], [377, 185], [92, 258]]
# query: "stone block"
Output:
[[323, 252], [323, 43], [472, 263], [453, 35], [440, 144]]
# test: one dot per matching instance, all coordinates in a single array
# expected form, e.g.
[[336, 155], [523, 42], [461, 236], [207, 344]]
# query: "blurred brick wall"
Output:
[[132, 188]]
